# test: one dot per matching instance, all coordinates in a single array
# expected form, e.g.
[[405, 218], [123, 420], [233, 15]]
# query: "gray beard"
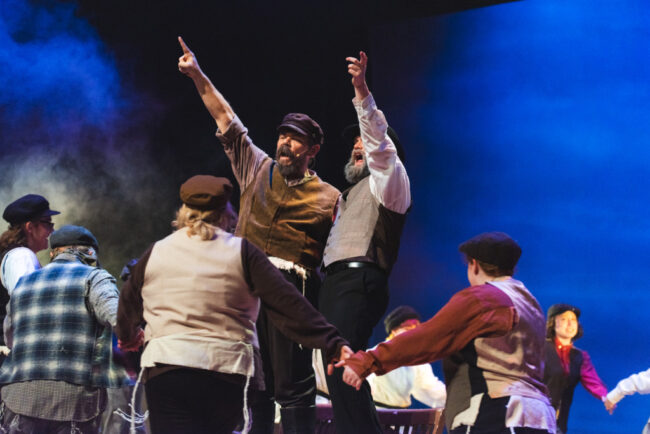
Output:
[[355, 174], [290, 171]]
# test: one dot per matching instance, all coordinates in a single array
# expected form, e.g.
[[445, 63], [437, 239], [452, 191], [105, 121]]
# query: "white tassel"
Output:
[[134, 418]]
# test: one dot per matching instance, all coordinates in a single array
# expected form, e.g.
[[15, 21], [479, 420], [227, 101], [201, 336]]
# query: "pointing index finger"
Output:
[[185, 48], [363, 57]]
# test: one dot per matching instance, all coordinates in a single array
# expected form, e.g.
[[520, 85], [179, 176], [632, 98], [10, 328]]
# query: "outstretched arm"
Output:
[[214, 101], [478, 311], [389, 182], [636, 383]]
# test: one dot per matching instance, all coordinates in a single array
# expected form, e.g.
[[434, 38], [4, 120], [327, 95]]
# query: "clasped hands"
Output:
[[349, 376]]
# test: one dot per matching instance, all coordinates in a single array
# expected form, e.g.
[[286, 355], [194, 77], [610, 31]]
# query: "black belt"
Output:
[[346, 265]]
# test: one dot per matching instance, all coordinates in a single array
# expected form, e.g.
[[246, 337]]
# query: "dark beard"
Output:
[[292, 170], [355, 174]]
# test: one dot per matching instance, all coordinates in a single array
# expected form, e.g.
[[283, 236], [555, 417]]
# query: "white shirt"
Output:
[[17, 263], [389, 183], [635, 383]]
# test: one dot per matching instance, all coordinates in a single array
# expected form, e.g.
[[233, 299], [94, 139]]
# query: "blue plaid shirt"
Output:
[[56, 333]]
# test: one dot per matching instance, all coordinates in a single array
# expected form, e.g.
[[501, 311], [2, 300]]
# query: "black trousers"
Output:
[[288, 374], [353, 300], [192, 401]]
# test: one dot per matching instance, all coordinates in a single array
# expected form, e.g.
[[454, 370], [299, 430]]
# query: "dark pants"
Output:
[[192, 401], [353, 300], [491, 419], [13, 423], [288, 374]]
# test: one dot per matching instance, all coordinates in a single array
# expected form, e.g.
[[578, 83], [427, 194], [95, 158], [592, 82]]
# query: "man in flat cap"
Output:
[[285, 210], [59, 325], [30, 225], [491, 339], [363, 244]]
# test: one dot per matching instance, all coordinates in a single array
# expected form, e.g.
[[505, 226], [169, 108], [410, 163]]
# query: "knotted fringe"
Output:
[[135, 419]]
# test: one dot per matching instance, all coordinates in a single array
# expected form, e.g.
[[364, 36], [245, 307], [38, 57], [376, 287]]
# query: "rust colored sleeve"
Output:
[[477, 311]]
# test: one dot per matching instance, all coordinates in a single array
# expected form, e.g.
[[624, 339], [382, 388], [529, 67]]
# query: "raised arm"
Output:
[[389, 182], [214, 101]]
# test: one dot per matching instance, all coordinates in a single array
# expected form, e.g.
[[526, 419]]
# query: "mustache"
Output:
[[284, 151]]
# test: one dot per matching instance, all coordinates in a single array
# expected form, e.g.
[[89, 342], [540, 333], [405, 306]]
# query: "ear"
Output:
[[29, 227], [313, 150], [474, 267]]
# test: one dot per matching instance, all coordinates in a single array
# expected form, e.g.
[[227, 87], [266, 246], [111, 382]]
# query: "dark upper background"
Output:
[[526, 117]]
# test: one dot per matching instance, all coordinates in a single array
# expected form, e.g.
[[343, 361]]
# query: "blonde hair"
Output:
[[201, 223]]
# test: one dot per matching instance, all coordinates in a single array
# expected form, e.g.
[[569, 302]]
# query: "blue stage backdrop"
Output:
[[531, 118]]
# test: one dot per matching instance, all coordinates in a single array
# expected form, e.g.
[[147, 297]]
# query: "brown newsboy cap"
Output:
[[304, 125], [206, 192]]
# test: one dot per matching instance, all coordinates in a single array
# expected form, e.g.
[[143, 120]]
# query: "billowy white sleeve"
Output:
[[427, 388], [389, 182], [635, 383]]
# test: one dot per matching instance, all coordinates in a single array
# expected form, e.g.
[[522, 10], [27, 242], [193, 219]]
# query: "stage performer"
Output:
[[635, 383], [363, 244], [198, 291], [30, 225], [59, 326], [286, 211], [491, 337], [566, 365]]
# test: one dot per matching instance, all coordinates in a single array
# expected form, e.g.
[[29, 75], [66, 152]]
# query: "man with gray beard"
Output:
[[363, 244]]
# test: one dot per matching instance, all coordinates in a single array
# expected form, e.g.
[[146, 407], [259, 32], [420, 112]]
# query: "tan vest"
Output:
[[364, 229], [290, 223], [197, 288], [510, 365]]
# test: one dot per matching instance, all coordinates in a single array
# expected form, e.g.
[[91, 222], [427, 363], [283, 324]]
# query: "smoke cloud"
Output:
[[73, 132]]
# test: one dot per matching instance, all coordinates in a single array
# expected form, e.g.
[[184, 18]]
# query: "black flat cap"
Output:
[[27, 208], [71, 235], [206, 192], [304, 125], [353, 131], [560, 308], [494, 248], [398, 316]]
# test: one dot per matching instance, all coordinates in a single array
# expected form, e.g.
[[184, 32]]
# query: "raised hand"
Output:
[[187, 63], [357, 69], [134, 344]]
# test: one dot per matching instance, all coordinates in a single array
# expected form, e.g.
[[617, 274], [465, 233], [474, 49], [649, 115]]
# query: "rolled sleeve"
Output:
[[245, 158]]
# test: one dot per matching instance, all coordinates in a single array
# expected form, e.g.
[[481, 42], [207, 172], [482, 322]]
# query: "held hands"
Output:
[[609, 406], [187, 63], [133, 345], [349, 376], [344, 354]]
